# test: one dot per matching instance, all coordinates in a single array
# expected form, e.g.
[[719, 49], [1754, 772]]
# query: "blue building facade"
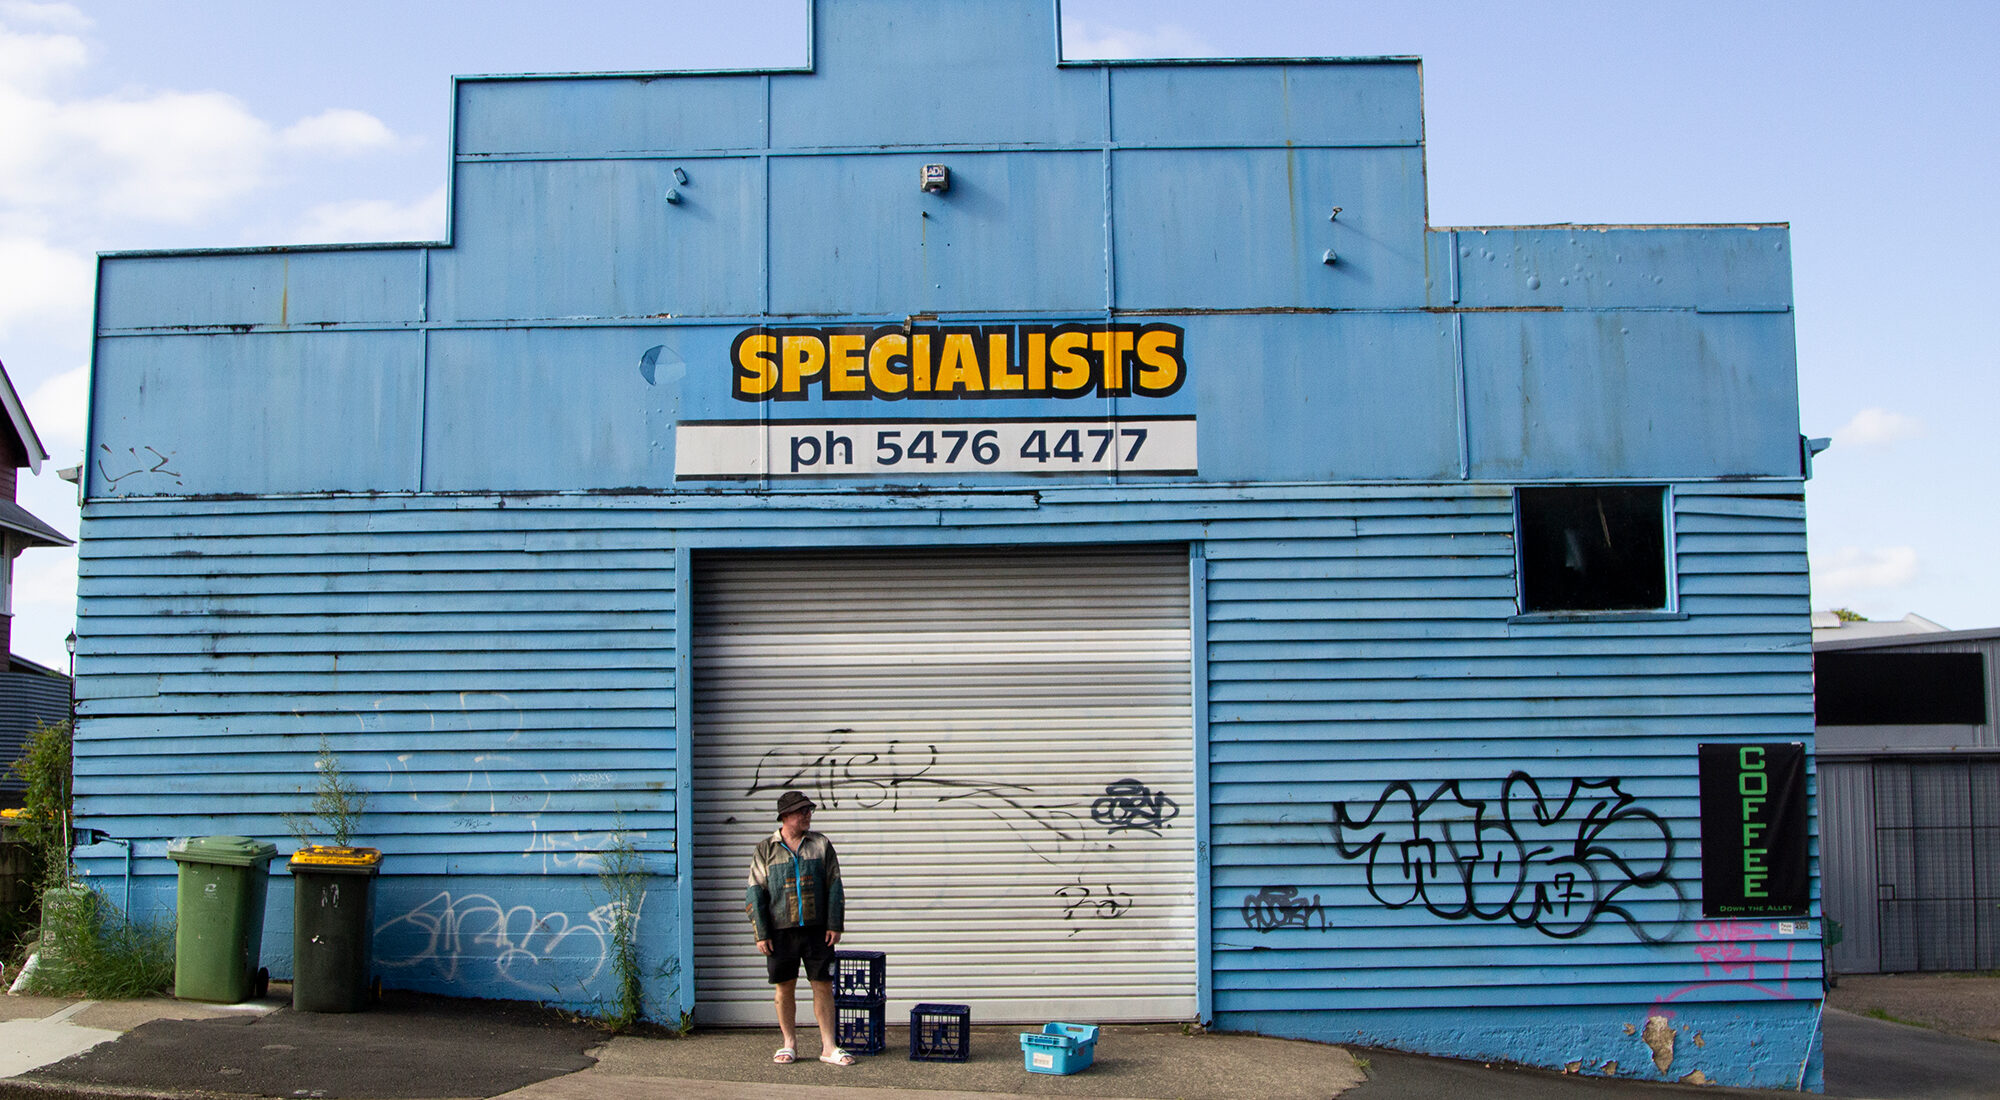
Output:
[[1475, 536]]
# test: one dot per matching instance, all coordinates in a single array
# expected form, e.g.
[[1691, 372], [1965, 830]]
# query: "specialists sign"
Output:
[[1030, 365], [1753, 831], [943, 363]]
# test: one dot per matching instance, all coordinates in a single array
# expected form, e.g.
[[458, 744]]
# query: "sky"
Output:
[[1869, 127]]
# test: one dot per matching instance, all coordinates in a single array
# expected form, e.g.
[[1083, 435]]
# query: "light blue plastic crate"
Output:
[[1059, 1048]]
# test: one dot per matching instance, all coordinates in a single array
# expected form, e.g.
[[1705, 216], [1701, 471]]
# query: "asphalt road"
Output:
[[1885, 1061], [408, 1046], [417, 1047]]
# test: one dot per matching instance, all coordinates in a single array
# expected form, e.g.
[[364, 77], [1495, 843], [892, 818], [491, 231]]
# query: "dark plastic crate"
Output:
[[860, 977], [940, 1033], [859, 1028]]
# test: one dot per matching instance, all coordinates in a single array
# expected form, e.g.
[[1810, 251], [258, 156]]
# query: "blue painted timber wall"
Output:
[[429, 501]]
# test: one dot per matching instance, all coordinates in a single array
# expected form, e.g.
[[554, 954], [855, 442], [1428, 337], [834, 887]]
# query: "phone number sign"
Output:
[[1053, 446]]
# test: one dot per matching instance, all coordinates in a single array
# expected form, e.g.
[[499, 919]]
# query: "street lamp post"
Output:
[[69, 644]]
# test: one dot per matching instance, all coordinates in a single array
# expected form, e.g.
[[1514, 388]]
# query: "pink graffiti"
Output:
[[1741, 956]]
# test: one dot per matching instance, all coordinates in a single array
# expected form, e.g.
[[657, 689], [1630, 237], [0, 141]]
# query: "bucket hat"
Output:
[[791, 801]]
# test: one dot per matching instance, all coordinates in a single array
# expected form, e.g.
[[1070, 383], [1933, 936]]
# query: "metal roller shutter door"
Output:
[[1001, 746]]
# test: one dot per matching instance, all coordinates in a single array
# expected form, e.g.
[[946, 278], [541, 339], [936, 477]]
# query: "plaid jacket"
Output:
[[793, 888]]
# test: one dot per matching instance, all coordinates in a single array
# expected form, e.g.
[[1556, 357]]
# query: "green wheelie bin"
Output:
[[333, 927], [220, 932]]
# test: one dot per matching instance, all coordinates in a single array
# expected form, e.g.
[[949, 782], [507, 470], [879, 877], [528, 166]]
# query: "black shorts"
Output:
[[791, 946]]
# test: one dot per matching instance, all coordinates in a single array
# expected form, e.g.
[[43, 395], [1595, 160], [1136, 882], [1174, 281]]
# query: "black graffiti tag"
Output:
[[1281, 907], [892, 774], [1105, 905], [1555, 866], [1130, 804]]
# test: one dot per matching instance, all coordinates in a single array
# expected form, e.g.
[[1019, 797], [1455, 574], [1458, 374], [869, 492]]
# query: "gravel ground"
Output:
[[1956, 1004]]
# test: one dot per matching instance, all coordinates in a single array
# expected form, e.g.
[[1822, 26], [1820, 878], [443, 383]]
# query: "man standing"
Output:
[[795, 905]]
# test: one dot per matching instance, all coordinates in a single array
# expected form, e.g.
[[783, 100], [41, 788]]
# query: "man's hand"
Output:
[[832, 937], [764, 946]]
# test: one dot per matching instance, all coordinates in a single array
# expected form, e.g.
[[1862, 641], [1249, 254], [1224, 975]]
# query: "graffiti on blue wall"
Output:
[[540, 952], [1276, 907], [1556, 865]]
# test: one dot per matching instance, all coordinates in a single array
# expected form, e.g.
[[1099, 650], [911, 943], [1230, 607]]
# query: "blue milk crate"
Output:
[[940, 1033], [860, 977], [1060, 1048], [859, 1029]]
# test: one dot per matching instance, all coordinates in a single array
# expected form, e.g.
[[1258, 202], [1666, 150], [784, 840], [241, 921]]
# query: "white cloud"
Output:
[[161, 156], [59, 408], [57, 17], [375, 220], [32, 61], [1852, 569], [173, 156], [1096, 40], [37, 280], [167, 156], [1875, 426], [339, 130]]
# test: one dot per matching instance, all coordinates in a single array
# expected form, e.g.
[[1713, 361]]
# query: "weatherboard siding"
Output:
[[502, 683], [499, 674]]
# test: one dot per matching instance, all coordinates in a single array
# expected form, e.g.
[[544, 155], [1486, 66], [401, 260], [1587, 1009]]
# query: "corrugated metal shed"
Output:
[[29, 696], [1911, 819], [441, 504]]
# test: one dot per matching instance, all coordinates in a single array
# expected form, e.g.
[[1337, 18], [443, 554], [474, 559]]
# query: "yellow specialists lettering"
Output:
[[1072, 375], [889, 364], [958, 367], [801, 358], [958, 362], [756, 371], [844, 364]]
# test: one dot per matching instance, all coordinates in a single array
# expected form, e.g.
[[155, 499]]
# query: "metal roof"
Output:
[[1917, 638], [19, 520]]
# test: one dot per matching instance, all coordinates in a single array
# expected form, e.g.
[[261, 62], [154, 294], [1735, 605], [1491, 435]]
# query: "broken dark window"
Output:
[[1899, 689], [1593, 548]]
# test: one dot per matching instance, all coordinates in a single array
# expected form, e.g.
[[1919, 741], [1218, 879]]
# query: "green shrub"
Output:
[[44, 769]]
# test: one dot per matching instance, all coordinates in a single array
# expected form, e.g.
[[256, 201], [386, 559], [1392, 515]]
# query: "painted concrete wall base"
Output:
[[546, 939], [1772, 1044]]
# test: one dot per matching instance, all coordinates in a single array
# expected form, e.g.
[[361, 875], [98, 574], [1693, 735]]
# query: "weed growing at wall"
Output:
[[90, 949], [622, 873], [87, 946], [337, 804]]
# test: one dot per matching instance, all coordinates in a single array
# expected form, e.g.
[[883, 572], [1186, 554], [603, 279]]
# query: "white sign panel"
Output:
[[921, 448]]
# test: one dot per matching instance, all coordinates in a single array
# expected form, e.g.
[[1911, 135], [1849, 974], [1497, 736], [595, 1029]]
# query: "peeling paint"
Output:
[[1696, 1078], [1659, 1035]]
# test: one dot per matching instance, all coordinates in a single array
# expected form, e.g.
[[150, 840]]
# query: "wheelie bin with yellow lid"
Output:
[[333, 927]]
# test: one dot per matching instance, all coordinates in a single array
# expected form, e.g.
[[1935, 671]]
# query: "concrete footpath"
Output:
[[412, 1047]]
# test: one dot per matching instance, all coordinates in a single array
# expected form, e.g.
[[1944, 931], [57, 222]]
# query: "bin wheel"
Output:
[[263, 987]]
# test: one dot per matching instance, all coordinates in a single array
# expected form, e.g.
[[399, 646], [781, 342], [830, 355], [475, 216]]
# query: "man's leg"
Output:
[[788, 1009], [829, 1032]]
